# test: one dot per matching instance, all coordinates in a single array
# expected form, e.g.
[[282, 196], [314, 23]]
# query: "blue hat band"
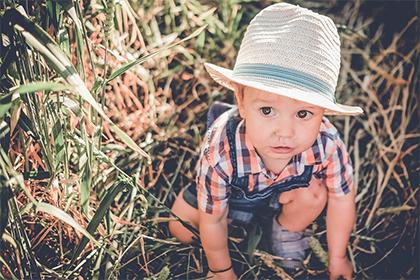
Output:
[[282, 74]]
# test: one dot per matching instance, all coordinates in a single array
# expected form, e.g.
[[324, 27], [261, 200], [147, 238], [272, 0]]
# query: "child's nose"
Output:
[[284, 130]]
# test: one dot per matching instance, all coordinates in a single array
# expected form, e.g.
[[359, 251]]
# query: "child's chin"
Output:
[[281, 156]]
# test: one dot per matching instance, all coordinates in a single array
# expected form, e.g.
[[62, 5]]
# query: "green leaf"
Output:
[[40, 86], [64, 41], [5, 104], [86, 182], [45, 45], [99, 215], [85, 162], [254, 238], [200, 40], [164, 273], [64, 217], [129, 65], [58, 142]]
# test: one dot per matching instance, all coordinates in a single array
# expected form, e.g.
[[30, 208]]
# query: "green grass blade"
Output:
[[40, 86], [57, 132], [71, 10], [254, 238], [85, 161], [99, 215], [5, 104], [142, 59], [85, 185], [64, 217], [56, 59]]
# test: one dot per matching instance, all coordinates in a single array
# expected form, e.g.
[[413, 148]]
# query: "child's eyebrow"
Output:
[[262, 100], [310, 107]]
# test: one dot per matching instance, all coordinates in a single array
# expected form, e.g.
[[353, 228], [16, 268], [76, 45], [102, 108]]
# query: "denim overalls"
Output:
[[244, 204]]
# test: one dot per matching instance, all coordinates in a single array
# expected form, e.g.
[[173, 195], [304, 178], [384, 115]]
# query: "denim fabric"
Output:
[[216, 109], [243, 204]]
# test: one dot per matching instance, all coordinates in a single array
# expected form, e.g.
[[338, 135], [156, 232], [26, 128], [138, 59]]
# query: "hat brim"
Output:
[[225, 77]]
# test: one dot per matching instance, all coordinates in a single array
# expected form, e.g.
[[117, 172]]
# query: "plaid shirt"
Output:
[[327, 155]]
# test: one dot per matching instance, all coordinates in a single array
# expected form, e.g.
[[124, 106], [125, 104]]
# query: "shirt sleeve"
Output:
[[339, 170], [212, 187]]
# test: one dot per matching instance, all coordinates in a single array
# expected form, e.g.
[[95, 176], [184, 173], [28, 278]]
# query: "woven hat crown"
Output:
[[289, 51], [291, 46]]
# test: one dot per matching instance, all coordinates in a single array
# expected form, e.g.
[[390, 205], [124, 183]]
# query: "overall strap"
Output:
[[216, 109], [231, 127]]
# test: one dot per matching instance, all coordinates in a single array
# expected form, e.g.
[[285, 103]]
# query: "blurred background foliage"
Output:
[[102, 111]]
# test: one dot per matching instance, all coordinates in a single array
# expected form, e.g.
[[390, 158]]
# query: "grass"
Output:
[[102, 112]]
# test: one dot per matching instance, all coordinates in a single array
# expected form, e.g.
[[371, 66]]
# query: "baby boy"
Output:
[[277, 148]]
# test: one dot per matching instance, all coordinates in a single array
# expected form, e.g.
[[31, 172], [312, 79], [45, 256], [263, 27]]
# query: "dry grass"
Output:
[[162, 104]]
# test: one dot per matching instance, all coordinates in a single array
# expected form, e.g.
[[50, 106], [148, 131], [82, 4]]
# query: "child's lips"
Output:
[[282, 149]]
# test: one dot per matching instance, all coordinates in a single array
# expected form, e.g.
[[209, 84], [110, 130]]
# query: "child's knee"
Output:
[[180, 232], [188, 214], [316, 194]]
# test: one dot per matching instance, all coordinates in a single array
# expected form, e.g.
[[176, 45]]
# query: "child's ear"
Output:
[[239, 95]]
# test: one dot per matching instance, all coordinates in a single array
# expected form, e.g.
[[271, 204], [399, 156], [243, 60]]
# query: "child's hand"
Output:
[[227, 275], [340, 266]]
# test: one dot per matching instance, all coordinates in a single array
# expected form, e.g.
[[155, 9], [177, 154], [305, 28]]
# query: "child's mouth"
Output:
[[282, 149]]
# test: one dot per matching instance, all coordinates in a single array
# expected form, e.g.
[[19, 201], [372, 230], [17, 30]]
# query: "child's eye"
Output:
[[266, 111], [304, 114]]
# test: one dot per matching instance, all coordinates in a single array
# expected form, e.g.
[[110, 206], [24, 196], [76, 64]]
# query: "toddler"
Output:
[[276, 149]]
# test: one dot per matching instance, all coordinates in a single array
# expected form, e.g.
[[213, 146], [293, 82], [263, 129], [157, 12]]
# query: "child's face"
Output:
[[278, 127]]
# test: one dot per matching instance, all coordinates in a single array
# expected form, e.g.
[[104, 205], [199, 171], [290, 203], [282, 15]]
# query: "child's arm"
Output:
[[213, 235], [340, 220], [341, 206]]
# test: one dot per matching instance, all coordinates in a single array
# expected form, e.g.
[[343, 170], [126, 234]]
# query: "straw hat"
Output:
[[290, 51]]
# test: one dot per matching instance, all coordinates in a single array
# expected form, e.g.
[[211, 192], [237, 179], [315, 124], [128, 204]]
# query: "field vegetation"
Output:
[[102, 111]]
